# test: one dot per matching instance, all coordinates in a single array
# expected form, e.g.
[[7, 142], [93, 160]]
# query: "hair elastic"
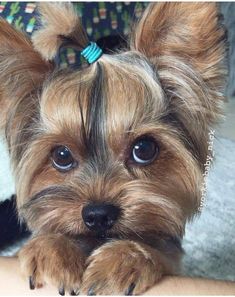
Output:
[[92, 52]]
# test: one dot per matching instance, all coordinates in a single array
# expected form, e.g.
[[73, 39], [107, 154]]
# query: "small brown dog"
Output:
[[108, 159]]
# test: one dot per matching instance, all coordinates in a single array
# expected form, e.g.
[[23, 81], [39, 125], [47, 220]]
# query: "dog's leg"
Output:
[[53, 259], [123, 267]]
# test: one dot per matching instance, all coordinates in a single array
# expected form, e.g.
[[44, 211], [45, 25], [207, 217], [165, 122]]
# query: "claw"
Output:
[[61, 291], [91, 291], [130, 290], [73, 293], [31, 283]]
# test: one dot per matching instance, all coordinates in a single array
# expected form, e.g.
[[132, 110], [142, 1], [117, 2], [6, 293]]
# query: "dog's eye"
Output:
[[144, 151], [62, 158]]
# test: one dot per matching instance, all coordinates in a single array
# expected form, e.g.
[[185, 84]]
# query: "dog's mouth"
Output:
[[104, 236], [159, 240], [101, 236], [88, 242]]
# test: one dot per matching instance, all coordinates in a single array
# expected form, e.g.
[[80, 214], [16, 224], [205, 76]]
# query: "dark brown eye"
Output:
[[62, 158], [145, 151]]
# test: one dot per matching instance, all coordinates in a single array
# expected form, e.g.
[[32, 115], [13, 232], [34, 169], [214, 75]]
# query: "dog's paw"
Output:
[[120, 267], [53, 259]]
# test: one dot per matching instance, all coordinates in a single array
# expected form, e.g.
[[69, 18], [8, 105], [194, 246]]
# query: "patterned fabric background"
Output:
[[99, 18]]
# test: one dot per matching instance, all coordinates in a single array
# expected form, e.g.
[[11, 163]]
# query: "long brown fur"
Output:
[[167, 85]]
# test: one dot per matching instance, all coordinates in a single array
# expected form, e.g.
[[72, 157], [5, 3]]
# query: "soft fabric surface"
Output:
[[209, 242], [6, 180]]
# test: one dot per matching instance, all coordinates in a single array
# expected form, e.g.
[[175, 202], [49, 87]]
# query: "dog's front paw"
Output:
[[120, 267], [53, 259]]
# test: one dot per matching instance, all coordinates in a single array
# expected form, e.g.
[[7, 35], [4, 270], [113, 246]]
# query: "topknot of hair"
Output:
[[60, 25]]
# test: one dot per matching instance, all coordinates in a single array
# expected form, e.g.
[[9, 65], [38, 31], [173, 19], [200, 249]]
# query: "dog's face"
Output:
[[116, 148], [104, 138]]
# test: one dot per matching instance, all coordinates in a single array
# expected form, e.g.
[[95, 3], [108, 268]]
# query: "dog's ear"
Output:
[[185, 42], [22, 69], [189, 31], [60, 25]]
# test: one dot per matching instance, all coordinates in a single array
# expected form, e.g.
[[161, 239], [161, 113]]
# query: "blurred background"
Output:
[[209, 242]]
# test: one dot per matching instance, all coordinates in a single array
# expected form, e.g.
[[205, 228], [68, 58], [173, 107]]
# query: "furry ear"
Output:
[[189, 31], [60, 25], [21, 68], [185, 43]]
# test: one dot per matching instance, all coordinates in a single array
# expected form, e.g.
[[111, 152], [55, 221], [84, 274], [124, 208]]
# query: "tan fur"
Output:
[[188, 31], [109, 266], [41, 258], [186, 44], [168, 85], [57, 20], [22, 69]]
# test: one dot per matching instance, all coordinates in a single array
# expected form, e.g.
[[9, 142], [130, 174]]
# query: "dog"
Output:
[[108, 158]]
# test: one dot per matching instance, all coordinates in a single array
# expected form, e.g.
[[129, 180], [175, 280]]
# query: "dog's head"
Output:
[[116, 147]]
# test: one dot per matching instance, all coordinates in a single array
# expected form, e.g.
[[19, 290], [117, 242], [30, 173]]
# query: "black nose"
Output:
[[100, 217]]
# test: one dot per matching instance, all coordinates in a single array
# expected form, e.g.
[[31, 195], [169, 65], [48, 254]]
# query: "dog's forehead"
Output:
[[121, 93]]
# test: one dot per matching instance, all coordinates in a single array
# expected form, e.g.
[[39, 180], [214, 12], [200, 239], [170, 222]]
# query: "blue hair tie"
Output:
[[92, 52]]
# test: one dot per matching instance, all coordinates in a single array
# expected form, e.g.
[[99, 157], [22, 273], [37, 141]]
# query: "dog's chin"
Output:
[[101, 235], [156, 240], [150, 238]]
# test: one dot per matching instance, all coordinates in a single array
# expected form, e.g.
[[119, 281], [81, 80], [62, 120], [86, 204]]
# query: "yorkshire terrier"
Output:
[[108, 157]]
